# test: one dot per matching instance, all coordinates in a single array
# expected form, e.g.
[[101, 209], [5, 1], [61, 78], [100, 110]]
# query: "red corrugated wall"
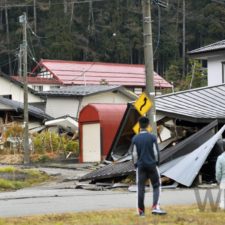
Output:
[[109, 116]]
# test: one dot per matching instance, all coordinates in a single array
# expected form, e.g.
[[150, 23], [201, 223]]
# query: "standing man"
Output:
[[220, 175], [145, 154]]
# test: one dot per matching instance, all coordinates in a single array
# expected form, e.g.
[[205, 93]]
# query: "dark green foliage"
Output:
[[110, 31]]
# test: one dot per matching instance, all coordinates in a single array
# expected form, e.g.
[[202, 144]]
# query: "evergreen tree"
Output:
[[109, 31]]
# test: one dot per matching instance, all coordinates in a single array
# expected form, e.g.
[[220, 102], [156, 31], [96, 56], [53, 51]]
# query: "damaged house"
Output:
[[11, 111], [190, 124]]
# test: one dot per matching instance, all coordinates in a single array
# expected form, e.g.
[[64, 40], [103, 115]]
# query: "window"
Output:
[[138, 91], [7, 96], [38, 88], [54, 87]]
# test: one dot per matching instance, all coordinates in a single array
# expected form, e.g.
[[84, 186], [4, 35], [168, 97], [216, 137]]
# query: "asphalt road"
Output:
[[61, 197], [45, 201]]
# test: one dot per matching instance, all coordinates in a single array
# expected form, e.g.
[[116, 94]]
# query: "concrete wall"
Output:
[[9, 88], [58, 106], [215, 70]]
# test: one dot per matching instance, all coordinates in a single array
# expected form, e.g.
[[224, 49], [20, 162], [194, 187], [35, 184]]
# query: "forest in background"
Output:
[[110, 31]]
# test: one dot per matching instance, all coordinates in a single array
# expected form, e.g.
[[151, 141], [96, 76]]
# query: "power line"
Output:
[[40, 37], [7, 63]]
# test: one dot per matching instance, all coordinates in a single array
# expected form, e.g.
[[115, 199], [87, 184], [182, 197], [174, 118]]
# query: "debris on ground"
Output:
[[194, 155]]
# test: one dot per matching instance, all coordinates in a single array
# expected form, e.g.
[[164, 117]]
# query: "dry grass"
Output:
[[11, 158], [177, 215], [14, 180]]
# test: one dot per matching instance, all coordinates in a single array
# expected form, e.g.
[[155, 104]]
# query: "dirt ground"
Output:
[[11, 159]]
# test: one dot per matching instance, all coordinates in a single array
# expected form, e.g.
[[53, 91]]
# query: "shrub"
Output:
[[47, 142], [14, 131], [73, 146]]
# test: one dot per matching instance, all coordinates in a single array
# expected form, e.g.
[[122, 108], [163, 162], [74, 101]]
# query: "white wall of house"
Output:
[[215, 70], [43, 87], [59, 106], [107, 97], [9, 88]]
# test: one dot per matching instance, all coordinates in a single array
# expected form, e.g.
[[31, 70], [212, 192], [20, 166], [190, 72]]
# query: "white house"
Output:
[[215, 56], [13, 90], [39, 83], [70, 100]]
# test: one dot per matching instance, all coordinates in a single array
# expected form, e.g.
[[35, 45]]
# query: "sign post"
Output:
[[142, 105]]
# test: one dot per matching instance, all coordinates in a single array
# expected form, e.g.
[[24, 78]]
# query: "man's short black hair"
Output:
[[144, 122]]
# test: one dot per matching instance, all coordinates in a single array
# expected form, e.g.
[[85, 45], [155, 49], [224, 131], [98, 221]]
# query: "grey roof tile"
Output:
[[199, 104], [18, 106], [220, 45], [81, 90]]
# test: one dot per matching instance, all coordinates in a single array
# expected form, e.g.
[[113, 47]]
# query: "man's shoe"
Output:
[[157, 211], [141, 212]]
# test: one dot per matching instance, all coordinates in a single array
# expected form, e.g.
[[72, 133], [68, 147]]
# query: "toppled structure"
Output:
[[67, 123], [188, 136]]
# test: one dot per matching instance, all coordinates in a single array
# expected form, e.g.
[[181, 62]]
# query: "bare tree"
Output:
[[184, 40], [65, 6], [7, 37], [72, 13], [35, 16]]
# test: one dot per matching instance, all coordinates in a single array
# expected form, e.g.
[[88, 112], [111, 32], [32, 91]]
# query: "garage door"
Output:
[[91, 143]]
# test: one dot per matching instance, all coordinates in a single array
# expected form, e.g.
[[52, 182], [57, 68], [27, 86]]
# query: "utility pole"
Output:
[[20, 61], [23, 21], [184, 40], [148, 56]]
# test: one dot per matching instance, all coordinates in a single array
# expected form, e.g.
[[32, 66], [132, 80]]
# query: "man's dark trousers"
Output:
[[143, 174]]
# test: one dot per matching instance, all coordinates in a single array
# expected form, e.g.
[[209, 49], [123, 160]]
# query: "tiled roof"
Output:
[[18, 106], [81, 90], [220, 45], [203, 104], [37, 80], [110, 171], [92, 73]]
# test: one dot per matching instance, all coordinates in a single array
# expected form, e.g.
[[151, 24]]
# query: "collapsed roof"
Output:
[[185, 174], [202, 109], [18, 106], [189, 151], [189, 144]]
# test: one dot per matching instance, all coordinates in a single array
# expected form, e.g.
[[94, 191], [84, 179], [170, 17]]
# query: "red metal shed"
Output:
[[98, 124]]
